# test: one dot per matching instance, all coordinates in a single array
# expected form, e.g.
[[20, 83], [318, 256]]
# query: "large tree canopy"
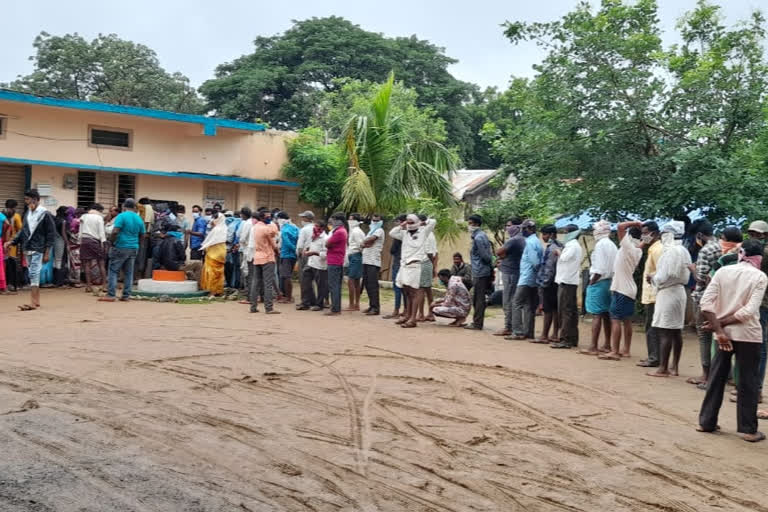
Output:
[[281, 81], [107, 69], [615, 123]]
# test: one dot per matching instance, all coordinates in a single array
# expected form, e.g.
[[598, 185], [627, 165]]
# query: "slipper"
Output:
[[694, 380], [762, 415], [708, 431], [702, 386], [107, 299], [243, 302], [656, 374], [604, 350], [586, 352], [516, 337], [408, 325], [458, 325], [609, 357], [27, 307], [540, 341], [273, 312], [759, 436], [429, 319], [503, 332]]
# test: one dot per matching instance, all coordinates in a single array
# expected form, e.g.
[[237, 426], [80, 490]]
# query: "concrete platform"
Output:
[[169, 288]]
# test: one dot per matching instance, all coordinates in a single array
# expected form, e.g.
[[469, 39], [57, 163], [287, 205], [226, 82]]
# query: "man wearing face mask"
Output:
[[527, 294], [197, 235], [372, 246], [708, 254], [456, 302], [671, 276], [336, 244], [758, 230], [731, 305], [624, 289], [567, 279], [650, 237], [481, 259], [355, 256], [598, 297], [305, 236], [414, 251], [289, 237], [509, 263]]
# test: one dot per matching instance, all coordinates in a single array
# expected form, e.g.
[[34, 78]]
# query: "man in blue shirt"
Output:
[[197, 235], [527, 293], [289, 237], [481, 258], [126, 232]]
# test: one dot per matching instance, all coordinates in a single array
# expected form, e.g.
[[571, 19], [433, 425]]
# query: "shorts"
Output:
[[355, 269], [195, 254], [622, 307], [426, 274], [286, 268], [549, 298], [599, 297], [35, 263]]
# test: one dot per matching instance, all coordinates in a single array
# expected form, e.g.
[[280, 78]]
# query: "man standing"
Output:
[[758, 230], [264, 251], [315, 273], [92, 240], [185, 225], [598, 300], [305, 236], [355, 257], [14, 272], [414, 250], [456, 303], [241, 247], [545, 279], [197, 235], [36, 240], [731, 306], [372, 246], [336, 246], [232, 266], [289, 238], [624, 289], [481, 259], [428, 273], [395, 251], [706, 260], [127, 232], [650, 238], [567, 279], [509, 263], [527, 293]]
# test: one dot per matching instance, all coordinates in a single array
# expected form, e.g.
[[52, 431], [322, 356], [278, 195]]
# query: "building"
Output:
[[77, 153], [475, 186]]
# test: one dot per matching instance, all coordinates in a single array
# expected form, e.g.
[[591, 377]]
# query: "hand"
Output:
[[649, 278], [6, 246], [724, 342], [707, 326], [46, 257]]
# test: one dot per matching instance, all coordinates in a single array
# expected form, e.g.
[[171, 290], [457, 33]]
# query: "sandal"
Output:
[[754, 438], [609, 357], [762, 415], [540, 341], [27, 307], [708, 431]]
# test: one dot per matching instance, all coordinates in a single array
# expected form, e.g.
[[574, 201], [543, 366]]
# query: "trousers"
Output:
[[651, 335], [335, 278], [705, 340], [311, 279], [524, 310], [568, 313], [263, 278], [509, 281], [748, 358], [121, 259], [480, 286], [371, 285]]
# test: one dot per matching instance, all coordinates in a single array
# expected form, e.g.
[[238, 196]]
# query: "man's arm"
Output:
[[484, 249], [397, 232], [624, 226]]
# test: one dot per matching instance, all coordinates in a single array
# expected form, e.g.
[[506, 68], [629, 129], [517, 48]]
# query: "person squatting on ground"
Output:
[[414, 251], [456, 303]]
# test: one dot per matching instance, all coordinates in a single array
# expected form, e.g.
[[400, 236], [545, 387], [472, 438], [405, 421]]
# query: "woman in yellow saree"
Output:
[[215, 247]]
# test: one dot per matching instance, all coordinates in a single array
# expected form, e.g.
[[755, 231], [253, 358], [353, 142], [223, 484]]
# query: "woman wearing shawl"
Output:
[[672, 274], [72, 237], [215, 247]]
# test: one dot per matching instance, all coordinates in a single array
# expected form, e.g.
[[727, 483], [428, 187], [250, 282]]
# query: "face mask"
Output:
[[376, 225], [196, 215], [305, 224], [282, 222], [208, 218], [637, 243], [472, 228], [646, 239], [412, 227], [353, 224], [336, 223]]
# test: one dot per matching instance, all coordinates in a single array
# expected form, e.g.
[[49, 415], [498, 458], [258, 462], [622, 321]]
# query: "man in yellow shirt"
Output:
[[650, 237], [14, 271]]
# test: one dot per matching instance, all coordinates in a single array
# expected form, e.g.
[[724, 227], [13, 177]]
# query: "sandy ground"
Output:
[[170, 407]]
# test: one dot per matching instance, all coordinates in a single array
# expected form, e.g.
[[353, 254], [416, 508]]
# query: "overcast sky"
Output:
[[194, 36]]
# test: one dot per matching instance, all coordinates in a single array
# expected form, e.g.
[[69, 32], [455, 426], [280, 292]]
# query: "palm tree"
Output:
[[386, 166]]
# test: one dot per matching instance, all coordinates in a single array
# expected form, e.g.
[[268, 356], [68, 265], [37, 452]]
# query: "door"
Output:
[[12, 179]]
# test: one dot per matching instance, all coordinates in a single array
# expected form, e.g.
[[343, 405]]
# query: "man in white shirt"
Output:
[[567, 279], [599, 290], [92, 239], [355, 254], [372, 246], [624, 289], [242, 247], [414, 251], [315, 273], [428, 273], [306, 219]]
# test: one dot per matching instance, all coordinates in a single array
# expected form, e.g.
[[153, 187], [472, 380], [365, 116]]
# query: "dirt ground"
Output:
[[171, 407]]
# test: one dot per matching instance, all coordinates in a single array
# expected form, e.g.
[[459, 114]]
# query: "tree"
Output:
[[387, 165], [496, 213], [320, 168], [623, 126], [281, 81], [107, 69]]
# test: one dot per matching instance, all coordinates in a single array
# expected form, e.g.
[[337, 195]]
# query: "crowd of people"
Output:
[[256, 254]]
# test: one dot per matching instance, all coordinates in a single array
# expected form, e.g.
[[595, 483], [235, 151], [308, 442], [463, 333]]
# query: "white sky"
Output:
[[194, 36]]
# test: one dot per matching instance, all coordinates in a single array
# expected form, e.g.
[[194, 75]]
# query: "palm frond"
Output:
[[424, 168], [357, 194]]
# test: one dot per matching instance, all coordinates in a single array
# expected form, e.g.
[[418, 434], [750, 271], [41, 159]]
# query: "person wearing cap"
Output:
[[307, 219], [567, 279], [127, 231], [545, 279], [671, 276], [731, 305], [527, 294], [598, 300], [650, 235], [758, 230]]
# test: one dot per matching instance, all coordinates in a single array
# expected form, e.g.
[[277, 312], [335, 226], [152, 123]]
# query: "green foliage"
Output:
[[319, 167], [388, 163], [496, 213], [614, 123], [107, 69], [447, 227], [283, 80]]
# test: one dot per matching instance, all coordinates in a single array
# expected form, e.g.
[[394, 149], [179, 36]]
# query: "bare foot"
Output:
[[588, 352], [674, 372], [624, 354], [605, 350], [610, 356], [409, 325], [658, 373]]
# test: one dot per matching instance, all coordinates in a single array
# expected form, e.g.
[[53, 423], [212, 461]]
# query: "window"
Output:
[[126, 188], [2, 126], [86, 189], [101, 187], [110, 137]]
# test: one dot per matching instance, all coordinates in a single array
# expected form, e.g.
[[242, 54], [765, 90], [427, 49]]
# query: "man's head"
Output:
[[215, 213], [10, 206], [444, 275], [400, 218], [245, 213], [32, 198], [307, 216], [217, 207], [635, 233], [732, 234], [376, 217], [196, 209], [143, 200], [703, 231], [650, 232], [752, 247], [514, 221], [283, 218], [548, 232], [337, 219], [114, 211], [423, 218], [458, 259], [180, 209], [758, 230], [572, 232], [129, 205], [412, 222], [97, 207], [355, 217], [321, 223], [474, 222], [528, 227]]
